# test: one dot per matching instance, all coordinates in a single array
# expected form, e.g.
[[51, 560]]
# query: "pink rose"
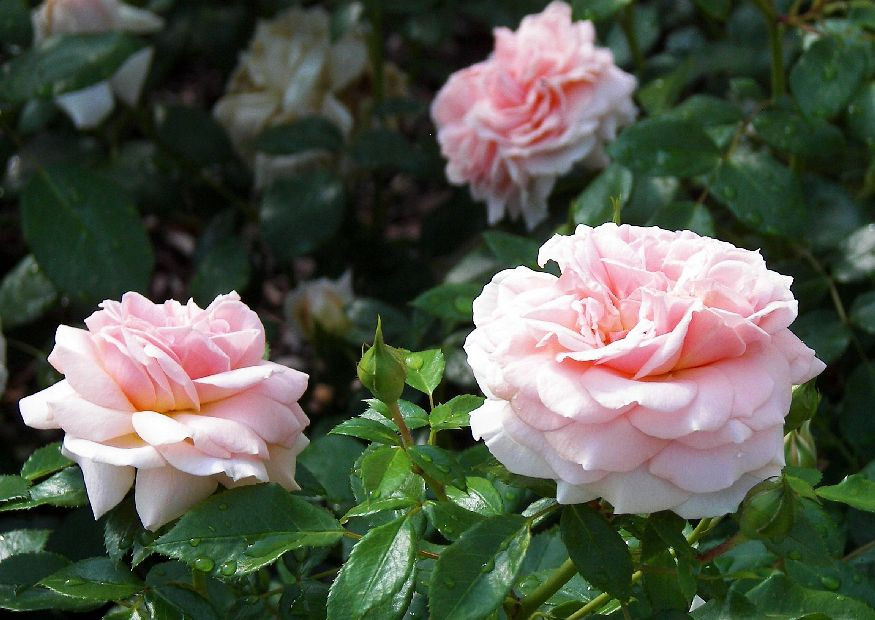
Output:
[[655, 372], [177, 395], [546, 98]]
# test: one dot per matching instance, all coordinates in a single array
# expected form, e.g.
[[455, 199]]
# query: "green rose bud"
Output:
[[799, 447], [803, 407], [768, 510], [382, 369]]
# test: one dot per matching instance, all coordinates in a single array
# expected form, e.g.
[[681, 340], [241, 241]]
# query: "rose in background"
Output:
[[655, 371], [87, 108], [174, 395], [321, 303], [292, 69], [546, 98]]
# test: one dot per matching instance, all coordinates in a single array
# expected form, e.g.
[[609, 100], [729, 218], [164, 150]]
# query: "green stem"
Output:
[[776, 34], [375, 48], [543, 592], [628, 25], [600, 601]]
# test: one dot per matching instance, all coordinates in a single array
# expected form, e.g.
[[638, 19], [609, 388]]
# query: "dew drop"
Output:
[[830, 583], [228, 568], [73, 581], [194, 542], [426, 458], [211, 528], [488, 567], [204, 564], [223, 507], [414, 362]]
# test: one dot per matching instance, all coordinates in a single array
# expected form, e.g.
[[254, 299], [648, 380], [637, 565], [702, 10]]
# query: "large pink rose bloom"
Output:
[[176, 396], [655, 372], [546, 98]]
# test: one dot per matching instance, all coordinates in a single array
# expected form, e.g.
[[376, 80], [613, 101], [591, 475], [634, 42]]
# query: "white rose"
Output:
[[321, 302], [290, 70], [89, 106]]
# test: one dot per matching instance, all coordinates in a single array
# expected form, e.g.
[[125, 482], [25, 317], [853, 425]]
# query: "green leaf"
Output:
[[367, 429], [808, 137], [65, 489], [16, 542], [370, 507], [330, 459], [71, 212], [779, 597], [762, 193], [224, 535], [223, 268], [707, 111], [425, 369], [385, 472], [479, 496], [123, 533], [305, 134], [375, 582], [438, 463], [668, 580], [61, 64], [454, 413], [44, 461], [823, 331], [597, 550], [414, 416], [827, 75], [855, 490], [300, 213], [15, 24], [665, 147], [593, 206], [512, 250], [388, 150], [861, 115], [856, 255], [475, 573], [718, 9], [26, 569], [452, 302], [25, 294], [837, 577], [596, 10], [862, 312], [450, 519], [99, 579], [660, 94], [13, 487], [193, 134], [685, 215]]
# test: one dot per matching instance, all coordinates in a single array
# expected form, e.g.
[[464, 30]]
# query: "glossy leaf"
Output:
[[474, 574], [13, 487], [44, 461], [224, 536], [16, 542], [594, 205], [438, 463], [512, 250], [778, 596], [684, 216], [69, 211], [369, 430], [597, 550], [25, 293], [797, 135], [385, 472], [425, 369], [855, 490], [827, 75], [665, 147], [99, 579], [299, 214], [375, 580], [454, 413], [452, 302], [450, 519]]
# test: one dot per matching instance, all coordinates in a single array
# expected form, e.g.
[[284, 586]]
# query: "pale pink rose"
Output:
[[546, 98], [655, 372], [175, 395]]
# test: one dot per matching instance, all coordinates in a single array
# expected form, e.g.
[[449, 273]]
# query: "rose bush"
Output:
[[654, 372], [546, 98], [175, 395], [88, 107]]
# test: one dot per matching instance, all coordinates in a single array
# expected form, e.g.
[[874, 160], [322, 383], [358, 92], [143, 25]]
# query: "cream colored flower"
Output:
[[321, 302], [89, 106], [291, 70]]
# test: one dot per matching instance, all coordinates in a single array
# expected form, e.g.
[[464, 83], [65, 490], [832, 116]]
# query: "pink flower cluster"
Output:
[[655, 371], [175, 396], [546, 98]]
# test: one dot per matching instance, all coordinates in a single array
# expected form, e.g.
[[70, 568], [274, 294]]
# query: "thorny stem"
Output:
[[600, 601], [722, 548], [543, 592], [407, 442]]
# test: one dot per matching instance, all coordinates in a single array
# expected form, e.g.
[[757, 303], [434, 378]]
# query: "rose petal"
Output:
[[165, 493]]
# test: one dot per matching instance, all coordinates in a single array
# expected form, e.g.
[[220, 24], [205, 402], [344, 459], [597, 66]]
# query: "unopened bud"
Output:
[[806, 399], [382, 370], [768, 510], [799, 447]]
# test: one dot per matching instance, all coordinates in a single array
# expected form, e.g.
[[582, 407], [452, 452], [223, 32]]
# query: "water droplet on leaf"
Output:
[[830, 583], [228, 568], [194, 542], [204, 564], [414, 362], [223, 507]]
